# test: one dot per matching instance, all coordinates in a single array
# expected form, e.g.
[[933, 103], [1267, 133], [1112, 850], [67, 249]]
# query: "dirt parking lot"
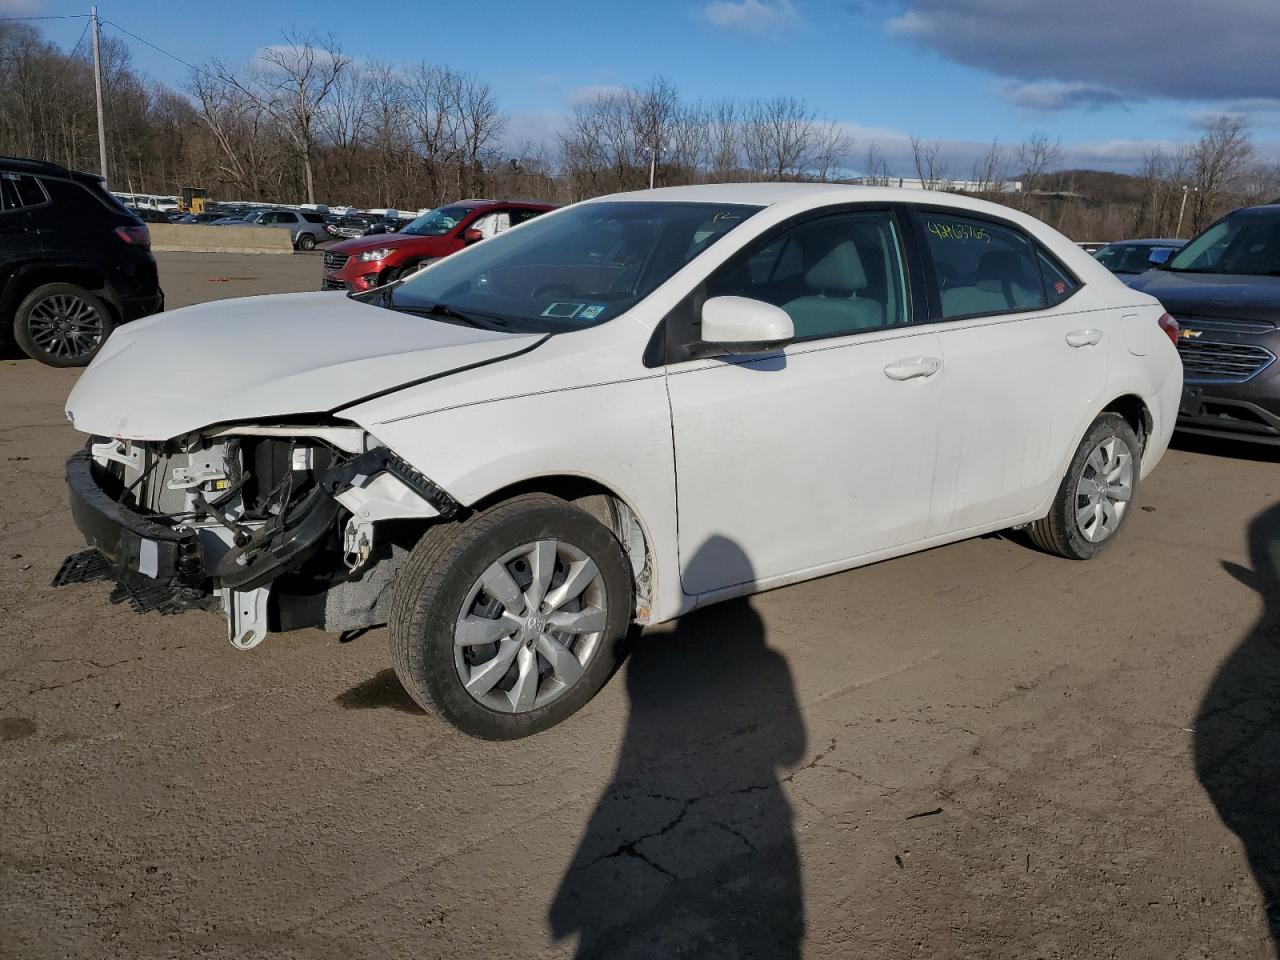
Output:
[[979, 751]]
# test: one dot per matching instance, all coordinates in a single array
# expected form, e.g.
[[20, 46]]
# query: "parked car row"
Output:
[[363, 263]]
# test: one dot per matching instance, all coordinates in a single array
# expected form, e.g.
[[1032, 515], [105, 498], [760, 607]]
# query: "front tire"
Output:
[[1096, 496], [62, 325], [511, 621]]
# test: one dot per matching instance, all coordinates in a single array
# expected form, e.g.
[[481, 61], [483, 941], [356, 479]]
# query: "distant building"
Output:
[[951, 186]]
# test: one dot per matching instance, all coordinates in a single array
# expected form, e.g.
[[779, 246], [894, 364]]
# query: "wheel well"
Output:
[[607, 507], [92, 280], [1135, 412]]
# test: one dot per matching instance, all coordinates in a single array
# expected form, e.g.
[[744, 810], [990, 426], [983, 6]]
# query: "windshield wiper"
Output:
[[482, 321]]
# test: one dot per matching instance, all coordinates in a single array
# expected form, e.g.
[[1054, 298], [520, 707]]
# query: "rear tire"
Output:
[[62, 325], [498, 663], [306, 242], [1096, 496]]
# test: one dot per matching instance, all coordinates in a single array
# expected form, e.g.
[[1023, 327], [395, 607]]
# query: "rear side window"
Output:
[[520, 216], [1058, 284], [313, 217], [18, 190], [981, 267]]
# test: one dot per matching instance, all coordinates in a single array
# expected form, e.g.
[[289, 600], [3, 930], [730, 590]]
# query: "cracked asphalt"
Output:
[[978, 751]]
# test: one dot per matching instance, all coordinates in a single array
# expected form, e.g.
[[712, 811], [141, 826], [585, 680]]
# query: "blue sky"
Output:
[[1108, 77]]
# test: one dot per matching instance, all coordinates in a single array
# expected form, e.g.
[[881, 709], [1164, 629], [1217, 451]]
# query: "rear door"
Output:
[[1023, 367], [19, 239]]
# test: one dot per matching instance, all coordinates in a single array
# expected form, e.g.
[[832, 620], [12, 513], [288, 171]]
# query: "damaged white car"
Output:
[[610, 415]]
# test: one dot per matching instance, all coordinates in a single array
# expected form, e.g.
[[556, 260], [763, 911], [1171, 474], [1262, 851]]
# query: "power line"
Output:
[[67, 16], [83, 33], [190, 66], [171, 56]]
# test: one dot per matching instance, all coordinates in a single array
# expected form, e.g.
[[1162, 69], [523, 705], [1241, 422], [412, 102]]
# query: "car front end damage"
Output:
[[277, 527]]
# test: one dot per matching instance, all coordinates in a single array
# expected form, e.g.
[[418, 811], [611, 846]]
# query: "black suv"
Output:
[[1223, 288], [74, 262]]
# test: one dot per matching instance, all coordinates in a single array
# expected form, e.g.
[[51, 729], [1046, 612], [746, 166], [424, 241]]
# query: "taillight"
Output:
[[1170, 327], [138, 236]]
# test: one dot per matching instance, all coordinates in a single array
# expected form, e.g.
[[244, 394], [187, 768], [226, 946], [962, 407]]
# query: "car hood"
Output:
[[389, 240], [266, 358], [1212, 294]]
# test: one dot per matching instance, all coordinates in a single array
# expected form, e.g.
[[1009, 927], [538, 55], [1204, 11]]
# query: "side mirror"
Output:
[[1160, 256], [738, 325], [472, 236]]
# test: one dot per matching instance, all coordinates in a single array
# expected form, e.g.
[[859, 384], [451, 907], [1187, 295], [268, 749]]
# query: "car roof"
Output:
[[485, 204], [28, 165], [805, 195]]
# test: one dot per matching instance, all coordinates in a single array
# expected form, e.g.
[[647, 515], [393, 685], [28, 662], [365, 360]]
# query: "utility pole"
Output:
[[97, 90], [1181, 210]]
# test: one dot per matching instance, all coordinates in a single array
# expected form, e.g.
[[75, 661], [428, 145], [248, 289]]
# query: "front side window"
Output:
[[1245, 244], [578, 268], [981, 267], [833, 275]]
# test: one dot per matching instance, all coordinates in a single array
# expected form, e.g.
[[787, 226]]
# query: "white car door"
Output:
[[823, 451], [1023, 369]]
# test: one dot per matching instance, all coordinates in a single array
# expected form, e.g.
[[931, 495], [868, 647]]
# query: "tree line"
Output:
[[302, 121]]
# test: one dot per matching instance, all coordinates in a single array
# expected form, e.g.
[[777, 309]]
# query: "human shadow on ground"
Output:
[[691, 850], [1237, 738]]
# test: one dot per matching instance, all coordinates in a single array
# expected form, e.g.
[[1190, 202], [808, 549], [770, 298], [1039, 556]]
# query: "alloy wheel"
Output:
[[65, 326], [1104, 489], [529, 626]]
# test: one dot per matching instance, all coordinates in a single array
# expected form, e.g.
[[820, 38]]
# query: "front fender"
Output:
[[617, 435]]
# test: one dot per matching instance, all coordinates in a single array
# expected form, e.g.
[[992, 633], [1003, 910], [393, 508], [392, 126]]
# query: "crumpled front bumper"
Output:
[[134, 543], [155, 567]]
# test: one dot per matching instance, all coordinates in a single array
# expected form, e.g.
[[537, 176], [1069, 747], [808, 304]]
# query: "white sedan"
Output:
[[613, 414]]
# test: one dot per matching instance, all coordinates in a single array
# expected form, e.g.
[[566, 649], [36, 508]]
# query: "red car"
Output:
[[371, 261]]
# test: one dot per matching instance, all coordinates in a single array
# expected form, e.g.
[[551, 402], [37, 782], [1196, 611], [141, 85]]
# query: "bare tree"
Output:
[[724, 140], [1218, 160], [1034, 157], [829, 154], [989, 174], [778, 136], [931, 168], [875, 167]]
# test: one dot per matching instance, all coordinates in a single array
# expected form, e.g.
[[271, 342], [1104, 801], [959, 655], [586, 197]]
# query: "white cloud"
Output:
[[1052, 95], [751, 16]]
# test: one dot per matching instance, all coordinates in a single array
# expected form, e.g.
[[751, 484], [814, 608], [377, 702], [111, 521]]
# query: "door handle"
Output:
[[911, 367], [1084, 338]]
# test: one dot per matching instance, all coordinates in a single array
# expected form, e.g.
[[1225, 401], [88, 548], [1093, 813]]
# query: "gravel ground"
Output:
[[978, 751]]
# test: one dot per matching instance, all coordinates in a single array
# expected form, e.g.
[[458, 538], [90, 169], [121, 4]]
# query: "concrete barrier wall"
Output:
[[203, 238]]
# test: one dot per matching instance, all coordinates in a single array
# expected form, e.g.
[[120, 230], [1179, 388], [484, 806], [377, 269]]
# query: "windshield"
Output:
[[1244, 244], [1128, 257], [569, 270], [438, 222]]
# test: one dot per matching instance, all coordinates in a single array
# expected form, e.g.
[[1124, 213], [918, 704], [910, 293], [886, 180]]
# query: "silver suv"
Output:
[[306, 227]]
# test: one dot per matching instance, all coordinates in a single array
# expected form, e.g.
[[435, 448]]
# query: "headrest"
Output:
[[1002, 265], [839, 271]]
